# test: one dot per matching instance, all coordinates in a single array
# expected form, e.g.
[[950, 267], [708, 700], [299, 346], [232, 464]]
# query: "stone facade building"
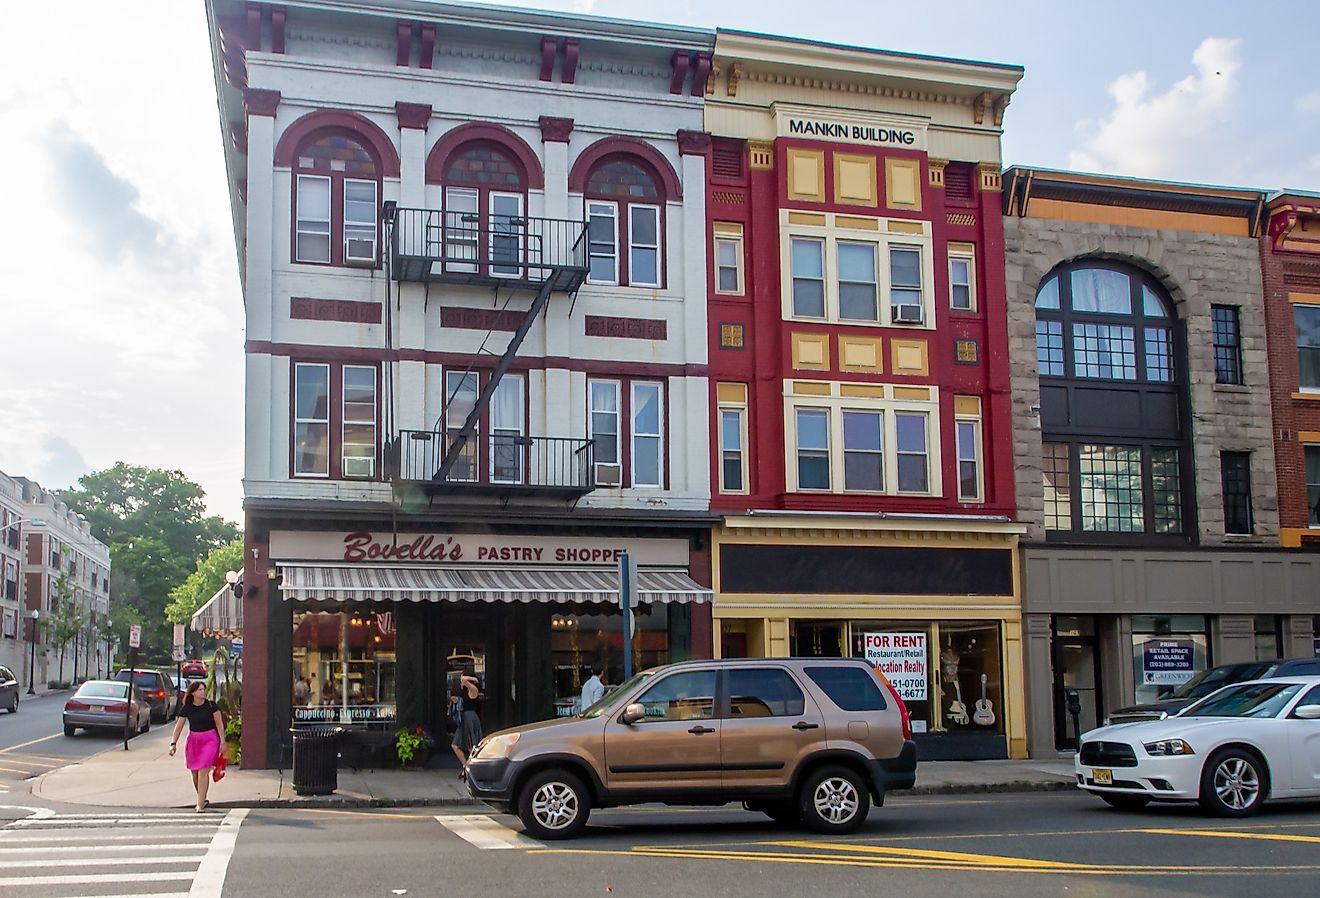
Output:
[[1144, 449]]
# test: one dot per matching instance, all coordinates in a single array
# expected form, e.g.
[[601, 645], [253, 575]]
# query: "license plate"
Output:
[[96, 708], [1102, 777]]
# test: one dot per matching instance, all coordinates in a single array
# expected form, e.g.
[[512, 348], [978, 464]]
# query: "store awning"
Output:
[[221, 616], [355, 583]]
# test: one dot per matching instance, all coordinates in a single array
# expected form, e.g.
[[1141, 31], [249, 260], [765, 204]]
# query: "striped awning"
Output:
[[221, 616], [357, 583]]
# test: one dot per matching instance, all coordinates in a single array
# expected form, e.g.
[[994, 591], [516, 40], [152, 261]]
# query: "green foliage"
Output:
[[230, 695], [67, 621], [408, 743], [156, 526], [234, 737], [203, 583]]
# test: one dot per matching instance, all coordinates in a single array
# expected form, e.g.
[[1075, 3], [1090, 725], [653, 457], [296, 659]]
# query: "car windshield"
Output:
[[1207, 681], [611, 699], [144, 679], [102, 690], [1246, 700]]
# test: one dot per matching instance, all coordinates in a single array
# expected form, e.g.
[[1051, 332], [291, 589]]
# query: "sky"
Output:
[[121, 326]]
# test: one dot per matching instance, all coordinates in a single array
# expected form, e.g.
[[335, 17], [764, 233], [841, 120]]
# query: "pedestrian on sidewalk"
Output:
[[468, 730], [206, 741]]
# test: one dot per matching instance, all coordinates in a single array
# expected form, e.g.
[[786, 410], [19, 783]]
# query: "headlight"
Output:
[[1168, 748], [496, 747]]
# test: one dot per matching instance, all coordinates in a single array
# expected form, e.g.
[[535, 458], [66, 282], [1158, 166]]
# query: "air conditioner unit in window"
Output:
[[607, 474], [359, 251], [908, 314], [359, 467]]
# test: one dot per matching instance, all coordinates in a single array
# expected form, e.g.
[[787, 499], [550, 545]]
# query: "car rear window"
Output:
[[851, 688], [102, 690], [143, 680]]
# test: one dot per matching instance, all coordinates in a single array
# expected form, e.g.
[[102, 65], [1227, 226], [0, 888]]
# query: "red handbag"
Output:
[[221, 762]]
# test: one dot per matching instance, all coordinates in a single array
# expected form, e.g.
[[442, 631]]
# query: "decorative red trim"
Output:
[[466, 318], [403, 42], [311, 309], [252, 29], [386, 155], [278, 15], [693, 143], [413, 115], [232, 51], [701, 73], [452, 140], [626, 328], [587, 159], [678, 65], [571, 51], [260, 101], [369, 355], [555, 130], [238, 136], [549, 47], [427, 57]]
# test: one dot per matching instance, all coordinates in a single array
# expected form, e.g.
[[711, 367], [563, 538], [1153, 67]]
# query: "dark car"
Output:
[[8, 690], [160, 692], [1207, 681]]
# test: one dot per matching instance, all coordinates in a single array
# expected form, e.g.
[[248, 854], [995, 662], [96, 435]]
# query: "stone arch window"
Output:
[[625, 203], [336, 199], [1111, 358], [485, 204]]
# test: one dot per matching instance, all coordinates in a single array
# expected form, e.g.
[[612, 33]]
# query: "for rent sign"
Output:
[[1167, 662], [903, 659]]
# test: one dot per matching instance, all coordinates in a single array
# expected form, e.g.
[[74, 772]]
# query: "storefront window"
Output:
[[1269, 637], [949, 673], [1167, 651], [344, 665], [585, 636]]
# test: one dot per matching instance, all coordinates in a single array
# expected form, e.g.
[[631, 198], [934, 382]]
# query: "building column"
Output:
[[410, 400], [776, 638], [1299, 636], [557, 339], [1232, 638], [258, 265], [1038, 680]]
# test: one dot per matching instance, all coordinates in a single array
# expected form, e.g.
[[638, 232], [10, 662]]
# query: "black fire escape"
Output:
[[509, 254]]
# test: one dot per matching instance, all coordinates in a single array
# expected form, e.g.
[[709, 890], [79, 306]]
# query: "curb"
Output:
[[993, 788]]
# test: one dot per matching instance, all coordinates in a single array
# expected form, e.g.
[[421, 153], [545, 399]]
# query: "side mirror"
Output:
[[1307, 712], [636, 712]]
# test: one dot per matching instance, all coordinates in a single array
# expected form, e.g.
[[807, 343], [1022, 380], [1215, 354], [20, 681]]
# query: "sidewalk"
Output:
[[146, 776]]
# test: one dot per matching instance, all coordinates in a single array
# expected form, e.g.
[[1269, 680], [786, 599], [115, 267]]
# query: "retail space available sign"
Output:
[[903, 659], [1167, 662]]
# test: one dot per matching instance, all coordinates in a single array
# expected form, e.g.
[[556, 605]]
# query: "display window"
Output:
[[344, 667], [1167, 651], [590, 634]]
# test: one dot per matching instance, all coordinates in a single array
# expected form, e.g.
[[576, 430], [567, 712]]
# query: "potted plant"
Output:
[[413, 746]]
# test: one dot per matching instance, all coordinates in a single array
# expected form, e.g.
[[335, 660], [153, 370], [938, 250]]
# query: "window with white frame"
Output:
[[506, 430], [311, 423], [962, 278], [624, 202], [359, 422], [970, 477], [603, 398], [808, 261], [905, 290], [647, 434], [728, 258], [602, 243], [733, 452], [813, 448], [858, 289], [644, 246], [863, 451], [312, 239], [360, 222], [336, 200], [461, 388], [913, 446]]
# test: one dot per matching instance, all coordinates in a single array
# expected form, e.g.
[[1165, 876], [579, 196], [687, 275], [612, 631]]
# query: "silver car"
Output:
[[107, 705], [8, 690]]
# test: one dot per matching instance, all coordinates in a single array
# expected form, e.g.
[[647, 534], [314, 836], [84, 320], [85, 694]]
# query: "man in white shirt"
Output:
[[594, 689]]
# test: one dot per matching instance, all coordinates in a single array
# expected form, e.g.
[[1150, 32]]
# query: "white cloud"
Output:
[[1154, 134], [1308, 103]]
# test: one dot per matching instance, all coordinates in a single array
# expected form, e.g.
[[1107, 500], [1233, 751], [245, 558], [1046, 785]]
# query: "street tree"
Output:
[[67, 620], [203, 583]]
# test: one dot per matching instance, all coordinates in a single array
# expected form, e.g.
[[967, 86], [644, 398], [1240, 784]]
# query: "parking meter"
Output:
[[1073, 702]]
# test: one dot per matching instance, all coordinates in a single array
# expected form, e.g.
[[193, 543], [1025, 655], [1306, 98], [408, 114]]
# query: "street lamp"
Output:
[[32, 663]]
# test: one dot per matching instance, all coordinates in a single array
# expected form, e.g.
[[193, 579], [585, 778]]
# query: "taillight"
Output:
[[72, 705], [904, 715], [117, 708], [160, 694]]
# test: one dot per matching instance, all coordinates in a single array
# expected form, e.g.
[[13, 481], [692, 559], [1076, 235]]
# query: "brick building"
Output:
[[1144, 448]]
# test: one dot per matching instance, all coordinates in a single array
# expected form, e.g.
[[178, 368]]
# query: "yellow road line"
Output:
[[928, 854], [1223, 834]]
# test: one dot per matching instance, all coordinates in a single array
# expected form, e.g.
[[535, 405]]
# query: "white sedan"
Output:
[[1230, 751]]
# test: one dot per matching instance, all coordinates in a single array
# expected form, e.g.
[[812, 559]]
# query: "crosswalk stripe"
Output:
[[137, 895], [120, 834], [128, 821], [146, 847], [144, 815], [89, 878], [485, 832], [101, 861], [210, 879]]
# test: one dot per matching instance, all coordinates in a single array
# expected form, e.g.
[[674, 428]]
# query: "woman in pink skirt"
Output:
[[205, 742]]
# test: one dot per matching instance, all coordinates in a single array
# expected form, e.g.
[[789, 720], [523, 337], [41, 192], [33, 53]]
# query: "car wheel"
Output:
[[1234, 783], [1125, 802], [834, 801], [554, 804], [13, 705], [70, 731], [146, 725]]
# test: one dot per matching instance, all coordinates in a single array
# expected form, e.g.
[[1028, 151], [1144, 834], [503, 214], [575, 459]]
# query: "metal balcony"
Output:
[[502, 465], [431, 246]]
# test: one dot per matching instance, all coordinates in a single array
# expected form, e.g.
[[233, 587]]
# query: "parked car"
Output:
[[194, 668], [160, 692], [106, 705], [8, 690], [181, 684], [1207, 681], [802, 740], [1230, 751]]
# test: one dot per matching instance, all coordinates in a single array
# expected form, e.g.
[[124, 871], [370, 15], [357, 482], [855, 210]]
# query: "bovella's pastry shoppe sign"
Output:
[[368, 547]]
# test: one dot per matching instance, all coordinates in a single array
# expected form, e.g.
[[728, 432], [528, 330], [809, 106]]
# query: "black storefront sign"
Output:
[[865, 569]]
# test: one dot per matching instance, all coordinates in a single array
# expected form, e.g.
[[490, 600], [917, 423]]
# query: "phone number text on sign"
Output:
[[903, 659]]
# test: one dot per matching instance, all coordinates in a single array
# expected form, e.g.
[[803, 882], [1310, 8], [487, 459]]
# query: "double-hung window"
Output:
[[905, 288], [850, 444], [603, 243], [1235, 472], [962, 278], [1227, 335], [863, 451], [1307, 322], [311, 421], [312, 240], [913, 452], [359, 425], [625, 227], [506, 431], [813, 448], [336, 201], [970, 478], [647, 434], [644, 246], [461, 389], [728, 258], [858, 290], [733, 455], [1313, 485], [603, 398], [808, 260], [360, 222]]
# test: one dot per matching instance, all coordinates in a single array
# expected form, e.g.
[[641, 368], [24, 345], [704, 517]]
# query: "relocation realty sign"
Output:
[[902, 658]]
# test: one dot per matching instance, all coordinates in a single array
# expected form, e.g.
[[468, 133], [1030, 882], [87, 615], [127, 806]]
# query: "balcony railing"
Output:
[[492, 464], [428, 245]]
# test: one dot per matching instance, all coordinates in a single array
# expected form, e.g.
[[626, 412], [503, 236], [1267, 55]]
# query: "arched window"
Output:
[[336, 200], [1109, 351], [624, 223], [484, 182]]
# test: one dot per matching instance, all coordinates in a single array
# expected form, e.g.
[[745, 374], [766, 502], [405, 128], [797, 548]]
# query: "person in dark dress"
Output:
[[206, 741], [467, 732]]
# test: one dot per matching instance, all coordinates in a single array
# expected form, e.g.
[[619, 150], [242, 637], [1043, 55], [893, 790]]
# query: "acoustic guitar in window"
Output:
[[984, 715]]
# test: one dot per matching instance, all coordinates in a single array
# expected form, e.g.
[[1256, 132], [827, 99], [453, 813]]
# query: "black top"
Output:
[[470, 703], [201, 718]]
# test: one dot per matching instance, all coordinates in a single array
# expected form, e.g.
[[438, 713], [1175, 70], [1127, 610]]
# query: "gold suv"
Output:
[[810, 741]]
